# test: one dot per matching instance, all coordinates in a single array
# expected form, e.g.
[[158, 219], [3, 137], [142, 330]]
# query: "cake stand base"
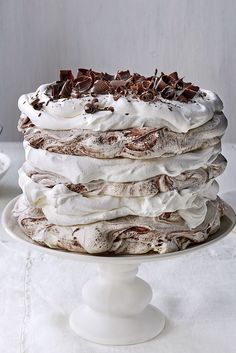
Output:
[[116, 306]]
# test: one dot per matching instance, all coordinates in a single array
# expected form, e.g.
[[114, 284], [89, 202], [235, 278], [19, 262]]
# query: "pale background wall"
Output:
[[38, 37]]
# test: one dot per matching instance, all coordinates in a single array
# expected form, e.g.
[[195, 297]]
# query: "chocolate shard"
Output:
[[161, 83], [83, 72], [168, 93], [188, 93], [66, 90], [174, 76], [123, 75], [178, 85], [147, 96], [186, 84], [101, 87], [96, 75], [135, 77], [66, 75], [121, 90], [107, 77], [147, 84], [194, 88], [117, 83], [56, 88], [137, 88], [181, 98], [84, 84]]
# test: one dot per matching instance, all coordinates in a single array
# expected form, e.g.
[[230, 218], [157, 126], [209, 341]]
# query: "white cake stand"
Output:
[[115, 308]]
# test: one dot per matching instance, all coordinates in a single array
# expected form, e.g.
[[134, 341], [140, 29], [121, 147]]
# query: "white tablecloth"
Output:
[[196, 292]]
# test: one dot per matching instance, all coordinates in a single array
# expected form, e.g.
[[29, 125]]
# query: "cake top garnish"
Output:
[[123, 84]]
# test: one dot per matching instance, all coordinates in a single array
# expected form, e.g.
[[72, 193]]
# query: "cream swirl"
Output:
[[65, 114], [64, 207], [79, 169]]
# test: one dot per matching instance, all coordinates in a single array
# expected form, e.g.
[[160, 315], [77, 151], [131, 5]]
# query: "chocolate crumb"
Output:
[[36, 104]]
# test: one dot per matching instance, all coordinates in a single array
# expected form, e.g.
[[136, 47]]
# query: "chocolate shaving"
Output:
[[107, 77], [66, 75], [174, 76], [109, 108], [188, 93], [137, 88], [161, 84], [147, 96], [66, 90], [92, 107], [93, 83], [85, 84], [117, 83], [83, 72], [36, 104], [168, 93], [101, 87], [123, 75]]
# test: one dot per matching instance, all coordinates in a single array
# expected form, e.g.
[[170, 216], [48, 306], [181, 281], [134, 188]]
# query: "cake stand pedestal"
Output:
[[116, 306]]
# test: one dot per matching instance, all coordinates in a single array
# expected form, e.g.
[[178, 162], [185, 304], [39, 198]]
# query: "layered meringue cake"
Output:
[[120, 164]]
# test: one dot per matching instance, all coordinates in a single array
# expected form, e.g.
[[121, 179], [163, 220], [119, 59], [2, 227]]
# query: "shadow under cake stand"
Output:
[[115, 308]]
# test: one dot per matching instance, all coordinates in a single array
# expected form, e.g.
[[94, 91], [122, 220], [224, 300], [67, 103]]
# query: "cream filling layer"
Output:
[[79, 169], [65, 114], [64, 207]]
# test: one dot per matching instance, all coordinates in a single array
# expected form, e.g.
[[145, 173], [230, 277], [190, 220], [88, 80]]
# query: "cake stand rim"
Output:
[[13, 230]]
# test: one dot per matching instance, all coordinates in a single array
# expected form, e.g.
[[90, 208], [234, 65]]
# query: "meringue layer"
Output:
[[138, 143], [126, 235]]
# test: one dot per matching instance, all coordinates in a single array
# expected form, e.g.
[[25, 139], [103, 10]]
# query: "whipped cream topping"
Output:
[[64, 207], [65, 114], [79, 169]]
